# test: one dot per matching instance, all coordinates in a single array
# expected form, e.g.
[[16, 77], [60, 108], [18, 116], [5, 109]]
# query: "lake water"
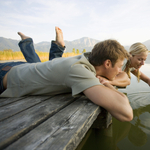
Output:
[[134, 135]]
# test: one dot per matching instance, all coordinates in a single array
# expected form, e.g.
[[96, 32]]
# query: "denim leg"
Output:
[[4, 68], [55, 51], [28, 51]]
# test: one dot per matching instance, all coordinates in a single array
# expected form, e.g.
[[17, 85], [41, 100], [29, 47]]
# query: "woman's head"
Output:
[[138, 52]]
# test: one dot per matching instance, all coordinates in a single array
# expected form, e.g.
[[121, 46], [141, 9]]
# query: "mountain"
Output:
[[83, 43], [8, 44], [43, 46], [80, 44], [147, 44]]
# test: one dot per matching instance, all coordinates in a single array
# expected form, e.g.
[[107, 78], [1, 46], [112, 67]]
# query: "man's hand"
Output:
[[103, 80]]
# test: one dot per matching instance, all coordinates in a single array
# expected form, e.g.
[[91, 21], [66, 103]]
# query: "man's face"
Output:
[[138, 60], [113, 71]]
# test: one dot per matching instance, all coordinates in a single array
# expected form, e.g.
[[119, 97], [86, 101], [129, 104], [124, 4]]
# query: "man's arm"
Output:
[[112, 100]]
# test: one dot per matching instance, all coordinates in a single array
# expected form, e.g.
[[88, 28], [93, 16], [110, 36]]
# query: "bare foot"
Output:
[[23, 37], [59, 37]]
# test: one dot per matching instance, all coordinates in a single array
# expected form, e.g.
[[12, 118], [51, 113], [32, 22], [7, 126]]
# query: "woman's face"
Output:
[[138, 60]]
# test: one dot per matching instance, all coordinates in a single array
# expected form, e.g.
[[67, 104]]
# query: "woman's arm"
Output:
[[142, 77], [121, 80]]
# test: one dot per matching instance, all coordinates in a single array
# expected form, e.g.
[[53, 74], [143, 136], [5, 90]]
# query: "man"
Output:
[[73, 74]]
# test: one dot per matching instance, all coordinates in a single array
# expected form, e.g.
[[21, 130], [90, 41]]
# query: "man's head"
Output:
[[109, 54]]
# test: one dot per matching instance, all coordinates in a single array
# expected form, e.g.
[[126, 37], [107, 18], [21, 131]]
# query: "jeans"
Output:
[[4, 68], [27, 49], [30, 55], [55, 51]]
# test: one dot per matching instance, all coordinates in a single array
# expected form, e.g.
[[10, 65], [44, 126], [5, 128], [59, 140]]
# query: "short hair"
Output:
[[108, 49]]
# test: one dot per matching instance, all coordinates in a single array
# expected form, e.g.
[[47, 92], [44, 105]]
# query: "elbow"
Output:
[[130, 119], [128, 116], [125, 117], [124, 84], [127, 111], [128, 82]]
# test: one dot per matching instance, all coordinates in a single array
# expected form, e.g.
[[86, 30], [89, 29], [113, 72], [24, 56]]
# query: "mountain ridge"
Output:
[[44, 46]]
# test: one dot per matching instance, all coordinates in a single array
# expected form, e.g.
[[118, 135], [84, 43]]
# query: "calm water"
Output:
[[134, 135]]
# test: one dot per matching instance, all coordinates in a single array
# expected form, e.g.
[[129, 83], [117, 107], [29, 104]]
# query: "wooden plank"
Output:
[[62, 131], [16, 126], [5, 101], [20, 105], [104, 120]]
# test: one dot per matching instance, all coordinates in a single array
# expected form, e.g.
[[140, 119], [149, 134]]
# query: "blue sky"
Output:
[[124, 20]]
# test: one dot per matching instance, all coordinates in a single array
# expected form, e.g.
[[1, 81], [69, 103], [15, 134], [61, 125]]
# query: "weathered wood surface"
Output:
[[42, 122]]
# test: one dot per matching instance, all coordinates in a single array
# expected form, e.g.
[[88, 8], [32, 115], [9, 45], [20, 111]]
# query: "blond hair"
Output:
[[135, 49]]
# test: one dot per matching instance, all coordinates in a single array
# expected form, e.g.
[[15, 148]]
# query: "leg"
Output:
[[27, 48], [55, 51], [58, 46], [4, 68]]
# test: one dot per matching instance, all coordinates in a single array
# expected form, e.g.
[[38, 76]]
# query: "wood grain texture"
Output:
[[64, 130], [25, 118], [47, 122]]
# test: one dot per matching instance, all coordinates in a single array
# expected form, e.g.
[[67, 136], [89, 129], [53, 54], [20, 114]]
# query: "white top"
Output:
[[124, 66]]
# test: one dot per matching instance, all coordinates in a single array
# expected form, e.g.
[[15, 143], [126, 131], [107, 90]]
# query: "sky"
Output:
[[124, 20]]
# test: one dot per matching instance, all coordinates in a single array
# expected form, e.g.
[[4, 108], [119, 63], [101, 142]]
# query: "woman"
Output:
[[138, 55]]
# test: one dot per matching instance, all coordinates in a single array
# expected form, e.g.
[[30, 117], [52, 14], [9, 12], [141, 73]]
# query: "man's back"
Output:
[[61, 75]]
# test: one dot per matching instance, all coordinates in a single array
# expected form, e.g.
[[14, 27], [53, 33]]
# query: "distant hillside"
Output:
[[82, 43], [8, 44], [147, 44], [43, 46], [148, 59]]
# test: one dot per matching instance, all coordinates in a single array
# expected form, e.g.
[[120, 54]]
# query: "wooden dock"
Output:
[[47, 122]]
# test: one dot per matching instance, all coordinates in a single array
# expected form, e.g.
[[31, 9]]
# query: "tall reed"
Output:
[[8, 54]]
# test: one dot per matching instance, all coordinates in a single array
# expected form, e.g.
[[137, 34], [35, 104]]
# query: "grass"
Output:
[[8, 54]]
